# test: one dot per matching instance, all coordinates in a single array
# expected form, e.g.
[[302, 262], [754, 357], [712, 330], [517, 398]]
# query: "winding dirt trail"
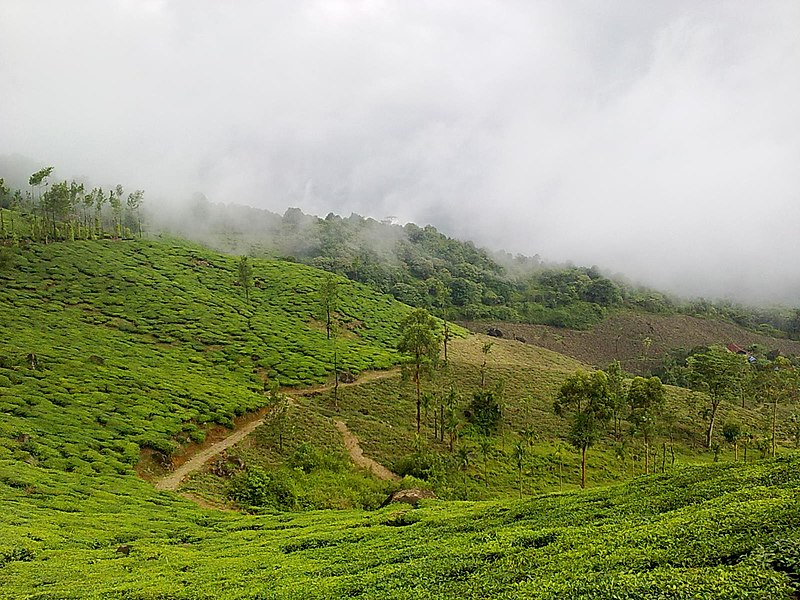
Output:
[[357, 454], [172, 481]]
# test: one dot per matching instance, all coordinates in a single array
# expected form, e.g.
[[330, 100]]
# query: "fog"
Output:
[[656, 139]]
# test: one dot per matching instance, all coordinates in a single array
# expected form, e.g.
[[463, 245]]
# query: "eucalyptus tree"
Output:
[[616, 390], [420, 342], [778, 382], [245, 276], [38, 179], [717, 372], [584, 399], [329, 303], [646, 403], [134, 204], [115, 196]]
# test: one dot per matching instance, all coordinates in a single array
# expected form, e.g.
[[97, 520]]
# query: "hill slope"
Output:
[[112, 346], [721, 532], [621, 336]]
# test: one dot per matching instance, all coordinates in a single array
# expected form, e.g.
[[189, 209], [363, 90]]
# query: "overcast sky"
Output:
[[656, 139]]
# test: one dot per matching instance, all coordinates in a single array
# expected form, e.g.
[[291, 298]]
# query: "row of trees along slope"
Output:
[[67, 210], [425, 268]]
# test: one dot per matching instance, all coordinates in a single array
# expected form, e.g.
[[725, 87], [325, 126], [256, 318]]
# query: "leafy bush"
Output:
[[256, 488], [484, 412]]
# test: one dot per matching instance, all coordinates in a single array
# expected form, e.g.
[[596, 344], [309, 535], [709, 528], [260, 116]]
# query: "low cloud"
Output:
[[661, 140]]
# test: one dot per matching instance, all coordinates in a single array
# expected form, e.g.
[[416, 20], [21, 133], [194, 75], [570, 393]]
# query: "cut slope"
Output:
[[621, 336]]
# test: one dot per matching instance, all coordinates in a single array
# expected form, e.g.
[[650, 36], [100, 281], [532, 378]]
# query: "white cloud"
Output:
[[658, 139]]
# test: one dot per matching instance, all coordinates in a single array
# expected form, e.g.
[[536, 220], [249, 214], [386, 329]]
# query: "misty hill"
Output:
[[112, 347], [423, 267]]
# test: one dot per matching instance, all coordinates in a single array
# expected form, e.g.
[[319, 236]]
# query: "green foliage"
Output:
[[245, 278], [718, 373], [256, 488], [586, 398], [421, 343], [484, 412]]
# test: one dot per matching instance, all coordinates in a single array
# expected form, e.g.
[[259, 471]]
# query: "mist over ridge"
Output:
[[662, 143]]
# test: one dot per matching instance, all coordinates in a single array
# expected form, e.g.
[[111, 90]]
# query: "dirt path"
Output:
[[357, 454], [364, 377], [172, 481]]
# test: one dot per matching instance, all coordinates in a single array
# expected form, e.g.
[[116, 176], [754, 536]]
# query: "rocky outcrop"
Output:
[[411, 496]]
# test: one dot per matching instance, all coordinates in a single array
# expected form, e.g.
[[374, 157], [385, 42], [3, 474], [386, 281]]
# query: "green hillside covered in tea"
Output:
[[113, 351]]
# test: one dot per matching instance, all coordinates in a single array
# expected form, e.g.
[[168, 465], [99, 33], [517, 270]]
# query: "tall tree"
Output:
[[778, 381], [38, 179], [584, 398], [440, 294], [485, 349], [717, 372], [245, 276], [420, 341], [329, 301], [115, 200], [616, 391], [646, 403], [135, 200]]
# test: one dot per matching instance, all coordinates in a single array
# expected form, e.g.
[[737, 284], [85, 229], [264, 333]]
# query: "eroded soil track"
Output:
[[202, 455]]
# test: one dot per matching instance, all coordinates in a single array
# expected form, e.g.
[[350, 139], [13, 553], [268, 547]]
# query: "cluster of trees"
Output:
[[593, 402], [67, 210], [427, 269]]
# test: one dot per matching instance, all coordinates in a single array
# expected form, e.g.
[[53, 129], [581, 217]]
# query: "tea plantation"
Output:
[[109, 349]]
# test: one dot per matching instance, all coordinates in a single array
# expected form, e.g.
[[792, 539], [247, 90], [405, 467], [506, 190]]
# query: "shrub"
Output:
[[256, 488]]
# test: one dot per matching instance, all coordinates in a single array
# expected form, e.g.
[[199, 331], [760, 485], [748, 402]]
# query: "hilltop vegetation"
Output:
[[423, 267]]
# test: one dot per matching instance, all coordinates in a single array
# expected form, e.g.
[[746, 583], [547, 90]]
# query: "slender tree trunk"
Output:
[[774, 425], [711, 421], [419, 403], [335, 377], [435, 425], [646, 458], [441, 423], [583, 468], [664, 458]]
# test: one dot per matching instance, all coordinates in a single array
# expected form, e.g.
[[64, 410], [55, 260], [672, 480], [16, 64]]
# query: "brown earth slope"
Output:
[[623, 336]]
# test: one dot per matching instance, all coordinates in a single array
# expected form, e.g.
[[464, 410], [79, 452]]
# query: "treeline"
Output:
[[67, 210], [425, 268]]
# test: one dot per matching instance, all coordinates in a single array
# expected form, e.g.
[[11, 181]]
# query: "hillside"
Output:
[[119, 351], [719, 532], [422, 266], [622, 336], [126, 345]]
